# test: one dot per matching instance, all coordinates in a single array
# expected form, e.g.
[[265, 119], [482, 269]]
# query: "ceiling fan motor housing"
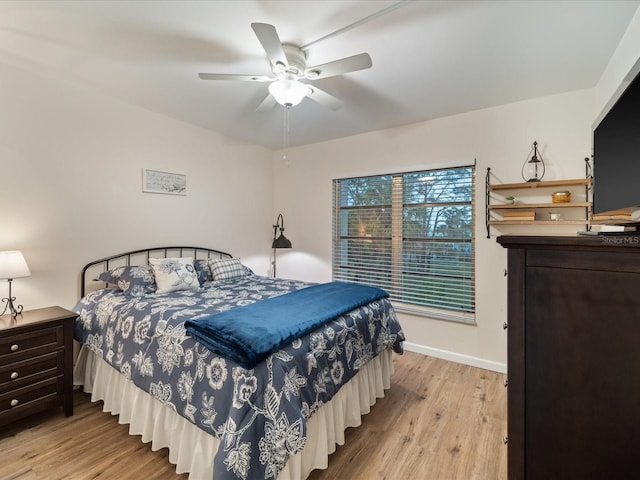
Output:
[[297, 60]]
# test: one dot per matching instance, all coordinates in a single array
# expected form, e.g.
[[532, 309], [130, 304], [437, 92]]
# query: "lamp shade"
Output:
[[13, 265], [288, 92], [281, 242]]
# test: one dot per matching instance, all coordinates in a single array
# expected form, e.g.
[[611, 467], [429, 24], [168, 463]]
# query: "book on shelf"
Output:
[[625, 214], [517, 215], [602, 218], [514, 218], [520, 213]]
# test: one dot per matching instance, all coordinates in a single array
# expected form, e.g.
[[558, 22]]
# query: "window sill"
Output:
[[437, 314]]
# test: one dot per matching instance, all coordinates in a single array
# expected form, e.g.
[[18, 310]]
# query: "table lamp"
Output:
[[12, 265]]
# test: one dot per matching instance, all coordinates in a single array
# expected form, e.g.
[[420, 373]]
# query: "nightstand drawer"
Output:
[[36, 363], [28, 344], [30, 397], [32, 370]]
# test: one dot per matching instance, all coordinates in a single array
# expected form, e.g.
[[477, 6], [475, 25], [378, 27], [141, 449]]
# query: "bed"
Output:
[[276, 414]]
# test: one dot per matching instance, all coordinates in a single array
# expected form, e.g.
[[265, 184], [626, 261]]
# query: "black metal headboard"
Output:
[[141, 257]]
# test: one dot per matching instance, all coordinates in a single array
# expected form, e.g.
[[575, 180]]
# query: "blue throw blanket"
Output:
[[248, 335]]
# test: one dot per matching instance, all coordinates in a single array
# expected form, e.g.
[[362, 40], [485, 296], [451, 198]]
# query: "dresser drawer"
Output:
[[32, 370], [18, 346]]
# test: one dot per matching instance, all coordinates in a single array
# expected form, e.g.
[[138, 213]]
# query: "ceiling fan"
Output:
[[289, 67]]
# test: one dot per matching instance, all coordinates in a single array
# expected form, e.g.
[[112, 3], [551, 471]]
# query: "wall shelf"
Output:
[[537, 222], [542, 184], [538, 205], [532, 188]]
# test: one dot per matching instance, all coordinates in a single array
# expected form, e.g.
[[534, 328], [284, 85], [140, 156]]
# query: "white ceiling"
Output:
[[430, 58]]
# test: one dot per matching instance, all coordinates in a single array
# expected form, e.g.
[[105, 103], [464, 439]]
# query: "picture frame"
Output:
[[157, 181]]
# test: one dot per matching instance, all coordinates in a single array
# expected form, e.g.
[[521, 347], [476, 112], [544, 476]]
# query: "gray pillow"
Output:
[[202, 270]]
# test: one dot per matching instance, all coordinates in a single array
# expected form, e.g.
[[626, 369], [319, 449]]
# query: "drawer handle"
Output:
[[14, 402], [14, 375], [15, 347]]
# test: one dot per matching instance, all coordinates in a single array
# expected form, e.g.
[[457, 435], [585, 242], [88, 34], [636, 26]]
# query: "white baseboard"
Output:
[[457, 357]]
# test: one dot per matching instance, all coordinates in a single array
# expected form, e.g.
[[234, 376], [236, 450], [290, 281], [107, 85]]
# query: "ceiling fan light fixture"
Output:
[[288, 92]]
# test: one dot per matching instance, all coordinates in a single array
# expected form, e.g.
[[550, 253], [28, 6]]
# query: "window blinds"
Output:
[[410, 234]]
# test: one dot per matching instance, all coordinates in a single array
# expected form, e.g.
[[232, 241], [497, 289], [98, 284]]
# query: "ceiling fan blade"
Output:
[[225, 76], [267, 104], [323, 98], [338, 67], [271, 43]]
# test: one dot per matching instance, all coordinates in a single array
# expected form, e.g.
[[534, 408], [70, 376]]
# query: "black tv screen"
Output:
[[616, 154]]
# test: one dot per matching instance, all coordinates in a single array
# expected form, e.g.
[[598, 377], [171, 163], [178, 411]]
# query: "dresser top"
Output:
[[589, 242]]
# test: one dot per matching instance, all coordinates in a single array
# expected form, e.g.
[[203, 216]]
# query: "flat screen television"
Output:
[[616, 151]]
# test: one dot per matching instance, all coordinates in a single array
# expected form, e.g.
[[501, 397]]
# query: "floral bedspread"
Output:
[[259, 415]]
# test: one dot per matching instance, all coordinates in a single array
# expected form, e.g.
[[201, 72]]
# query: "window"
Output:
[[411, 234]]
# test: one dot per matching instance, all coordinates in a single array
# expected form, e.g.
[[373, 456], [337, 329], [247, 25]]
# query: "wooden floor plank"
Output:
[[439, 420]]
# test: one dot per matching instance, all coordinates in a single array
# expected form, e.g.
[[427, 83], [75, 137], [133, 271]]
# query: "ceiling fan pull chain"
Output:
[[285, 140]]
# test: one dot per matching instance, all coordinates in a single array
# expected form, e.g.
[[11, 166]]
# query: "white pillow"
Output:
[[226, 269], [173, 274]]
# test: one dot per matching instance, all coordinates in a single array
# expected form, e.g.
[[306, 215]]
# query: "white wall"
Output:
[[499, 138], [71, 185], [615, 78]]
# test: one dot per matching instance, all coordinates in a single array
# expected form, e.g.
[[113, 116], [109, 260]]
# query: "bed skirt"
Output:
[[192, 449]]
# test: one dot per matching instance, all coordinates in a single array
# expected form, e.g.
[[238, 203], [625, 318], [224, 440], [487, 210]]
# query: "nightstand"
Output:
[[36, 363]]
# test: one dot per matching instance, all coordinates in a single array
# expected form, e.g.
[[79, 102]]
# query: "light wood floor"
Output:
[[439, 421]]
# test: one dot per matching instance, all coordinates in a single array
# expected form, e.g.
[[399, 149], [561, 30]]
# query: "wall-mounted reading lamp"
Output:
[[279, 241]]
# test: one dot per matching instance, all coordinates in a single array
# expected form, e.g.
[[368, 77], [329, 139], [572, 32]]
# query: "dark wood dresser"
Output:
[[573, 357], [36, 363]]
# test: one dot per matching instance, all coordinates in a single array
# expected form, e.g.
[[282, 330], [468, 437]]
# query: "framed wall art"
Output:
[[156, 181]]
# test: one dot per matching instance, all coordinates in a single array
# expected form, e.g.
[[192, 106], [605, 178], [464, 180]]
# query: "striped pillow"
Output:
[[226, 269]]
